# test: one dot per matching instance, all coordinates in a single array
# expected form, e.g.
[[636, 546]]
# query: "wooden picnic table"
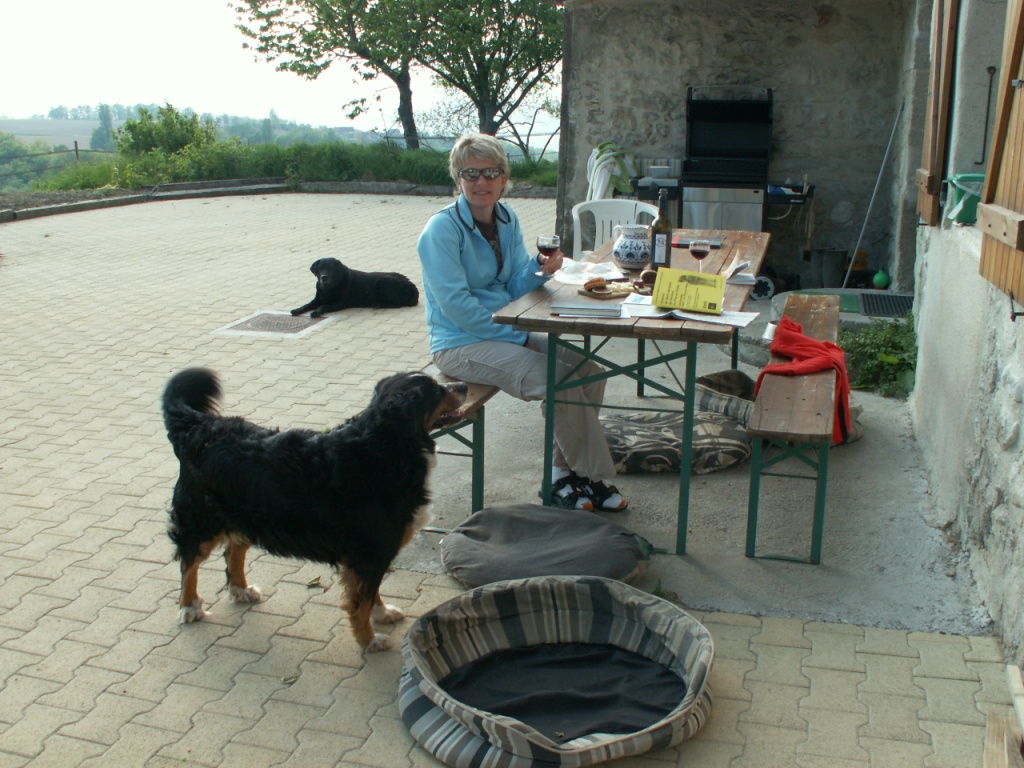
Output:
[[533, 313]]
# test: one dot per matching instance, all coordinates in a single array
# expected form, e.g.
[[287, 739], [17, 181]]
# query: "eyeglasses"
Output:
[[472, 174]]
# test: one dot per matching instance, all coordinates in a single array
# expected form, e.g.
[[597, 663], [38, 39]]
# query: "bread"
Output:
[[596, 282]]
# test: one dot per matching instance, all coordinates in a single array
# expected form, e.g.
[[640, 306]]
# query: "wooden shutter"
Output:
[[1001, 211], [945, 19]]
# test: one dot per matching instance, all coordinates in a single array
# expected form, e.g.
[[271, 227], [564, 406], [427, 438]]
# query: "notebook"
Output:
[[586, 309], [683, 241]]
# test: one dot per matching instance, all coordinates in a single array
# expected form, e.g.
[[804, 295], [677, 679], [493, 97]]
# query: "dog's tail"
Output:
[[189, 396]]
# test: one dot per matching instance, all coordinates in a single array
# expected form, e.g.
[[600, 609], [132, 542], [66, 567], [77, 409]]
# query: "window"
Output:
[[930, 175], [1001, 211]]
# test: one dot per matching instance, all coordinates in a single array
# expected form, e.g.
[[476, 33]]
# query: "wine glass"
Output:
[[546, 246], [699, 249]]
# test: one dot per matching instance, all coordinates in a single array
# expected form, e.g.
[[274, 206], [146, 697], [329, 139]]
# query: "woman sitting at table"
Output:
[[474, 263]]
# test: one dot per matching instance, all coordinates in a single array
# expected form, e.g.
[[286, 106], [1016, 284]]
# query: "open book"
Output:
[[739, 274]]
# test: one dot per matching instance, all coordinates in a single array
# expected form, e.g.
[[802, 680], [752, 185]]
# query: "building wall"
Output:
[[966, 409], [967, 403], [838, 73]]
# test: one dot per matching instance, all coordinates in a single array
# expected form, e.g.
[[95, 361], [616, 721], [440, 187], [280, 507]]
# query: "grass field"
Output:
[[53, 132]]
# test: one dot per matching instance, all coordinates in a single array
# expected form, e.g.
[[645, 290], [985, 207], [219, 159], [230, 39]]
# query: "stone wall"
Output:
[[838, 73], [967, 408]]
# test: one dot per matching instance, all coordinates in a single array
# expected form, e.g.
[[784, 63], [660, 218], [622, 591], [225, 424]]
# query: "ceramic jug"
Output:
[[632, 248]]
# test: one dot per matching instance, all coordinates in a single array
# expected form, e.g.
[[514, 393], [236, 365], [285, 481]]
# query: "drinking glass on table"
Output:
[[699, 249], [546, 246]]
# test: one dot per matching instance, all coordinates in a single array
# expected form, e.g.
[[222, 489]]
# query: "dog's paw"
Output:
[[379, 643], [250, 594], [387, 614], [190, 614], [296, 312], [316, 313]]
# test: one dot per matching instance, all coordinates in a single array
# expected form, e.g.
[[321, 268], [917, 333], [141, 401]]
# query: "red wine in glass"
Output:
[[547, 245], [699, 249]]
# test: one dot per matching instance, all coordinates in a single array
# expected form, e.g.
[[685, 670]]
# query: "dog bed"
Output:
[[648, 442], [554, 671], [517, 541]]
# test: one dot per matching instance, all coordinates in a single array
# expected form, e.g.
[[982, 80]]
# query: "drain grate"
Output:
[[270, 322], [880, 304]]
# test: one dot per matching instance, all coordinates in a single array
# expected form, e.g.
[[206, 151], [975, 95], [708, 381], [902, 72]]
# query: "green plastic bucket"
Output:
[[965, 194]]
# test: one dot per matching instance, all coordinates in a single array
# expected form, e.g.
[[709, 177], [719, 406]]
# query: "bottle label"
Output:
[[659, 257]]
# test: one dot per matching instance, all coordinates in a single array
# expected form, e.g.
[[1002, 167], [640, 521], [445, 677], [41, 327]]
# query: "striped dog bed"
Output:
[[554, 671]]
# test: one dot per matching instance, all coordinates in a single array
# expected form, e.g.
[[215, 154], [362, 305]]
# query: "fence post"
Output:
[[76, 149]]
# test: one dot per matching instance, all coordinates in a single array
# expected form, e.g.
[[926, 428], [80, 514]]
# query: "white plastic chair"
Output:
[[607, 214]]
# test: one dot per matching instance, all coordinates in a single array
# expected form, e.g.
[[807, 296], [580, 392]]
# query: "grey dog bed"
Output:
[[520, 540], [484, 681]]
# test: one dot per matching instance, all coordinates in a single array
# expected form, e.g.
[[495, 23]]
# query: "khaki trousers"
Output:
[[521, 371]]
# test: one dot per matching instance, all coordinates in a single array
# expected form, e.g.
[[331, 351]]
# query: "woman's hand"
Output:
[[551, 264]]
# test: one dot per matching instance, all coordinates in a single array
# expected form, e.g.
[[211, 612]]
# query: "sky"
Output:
[[186, 52]]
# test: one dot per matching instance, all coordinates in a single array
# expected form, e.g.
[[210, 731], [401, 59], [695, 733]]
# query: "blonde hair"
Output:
[[480, 145]]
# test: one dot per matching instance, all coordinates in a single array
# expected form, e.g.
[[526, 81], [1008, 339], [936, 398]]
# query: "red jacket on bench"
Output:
[[808, 356]]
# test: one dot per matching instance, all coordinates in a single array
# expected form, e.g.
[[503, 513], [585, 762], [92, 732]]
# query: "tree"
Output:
[[456, 114], [376, 37], [21, 163], [523, 130], [103, 136], [496, 52]]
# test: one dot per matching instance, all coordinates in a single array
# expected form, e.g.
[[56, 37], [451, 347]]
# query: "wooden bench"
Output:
[[472, 421], [795, 414]]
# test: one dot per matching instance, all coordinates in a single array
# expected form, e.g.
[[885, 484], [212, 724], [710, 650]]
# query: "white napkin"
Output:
[[578, 272]]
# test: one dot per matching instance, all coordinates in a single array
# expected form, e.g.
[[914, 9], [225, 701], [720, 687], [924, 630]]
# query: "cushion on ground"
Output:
[[650, 441], [516, 541], [641, 684]]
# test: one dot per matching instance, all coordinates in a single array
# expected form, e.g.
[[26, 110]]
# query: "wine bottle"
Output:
[[661, 235]]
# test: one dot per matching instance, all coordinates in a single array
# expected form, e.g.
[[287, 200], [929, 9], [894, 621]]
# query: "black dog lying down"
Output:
[[350, 498], [338, 287]]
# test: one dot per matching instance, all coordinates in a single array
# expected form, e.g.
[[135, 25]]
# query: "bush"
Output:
[[92, 173], [882, 356], [176, 147], [346, 161], [230, 160], [540, 173], [172, 132]]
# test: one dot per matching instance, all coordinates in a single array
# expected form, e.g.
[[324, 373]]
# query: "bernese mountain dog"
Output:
[[350, 497]]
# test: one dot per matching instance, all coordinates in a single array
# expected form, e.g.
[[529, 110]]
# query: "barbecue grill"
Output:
[[728, 147]]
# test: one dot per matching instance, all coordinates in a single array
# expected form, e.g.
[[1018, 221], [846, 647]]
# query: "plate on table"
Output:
[[610, 291]]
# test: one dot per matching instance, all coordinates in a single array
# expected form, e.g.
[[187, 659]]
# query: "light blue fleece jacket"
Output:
[[461, 283]]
